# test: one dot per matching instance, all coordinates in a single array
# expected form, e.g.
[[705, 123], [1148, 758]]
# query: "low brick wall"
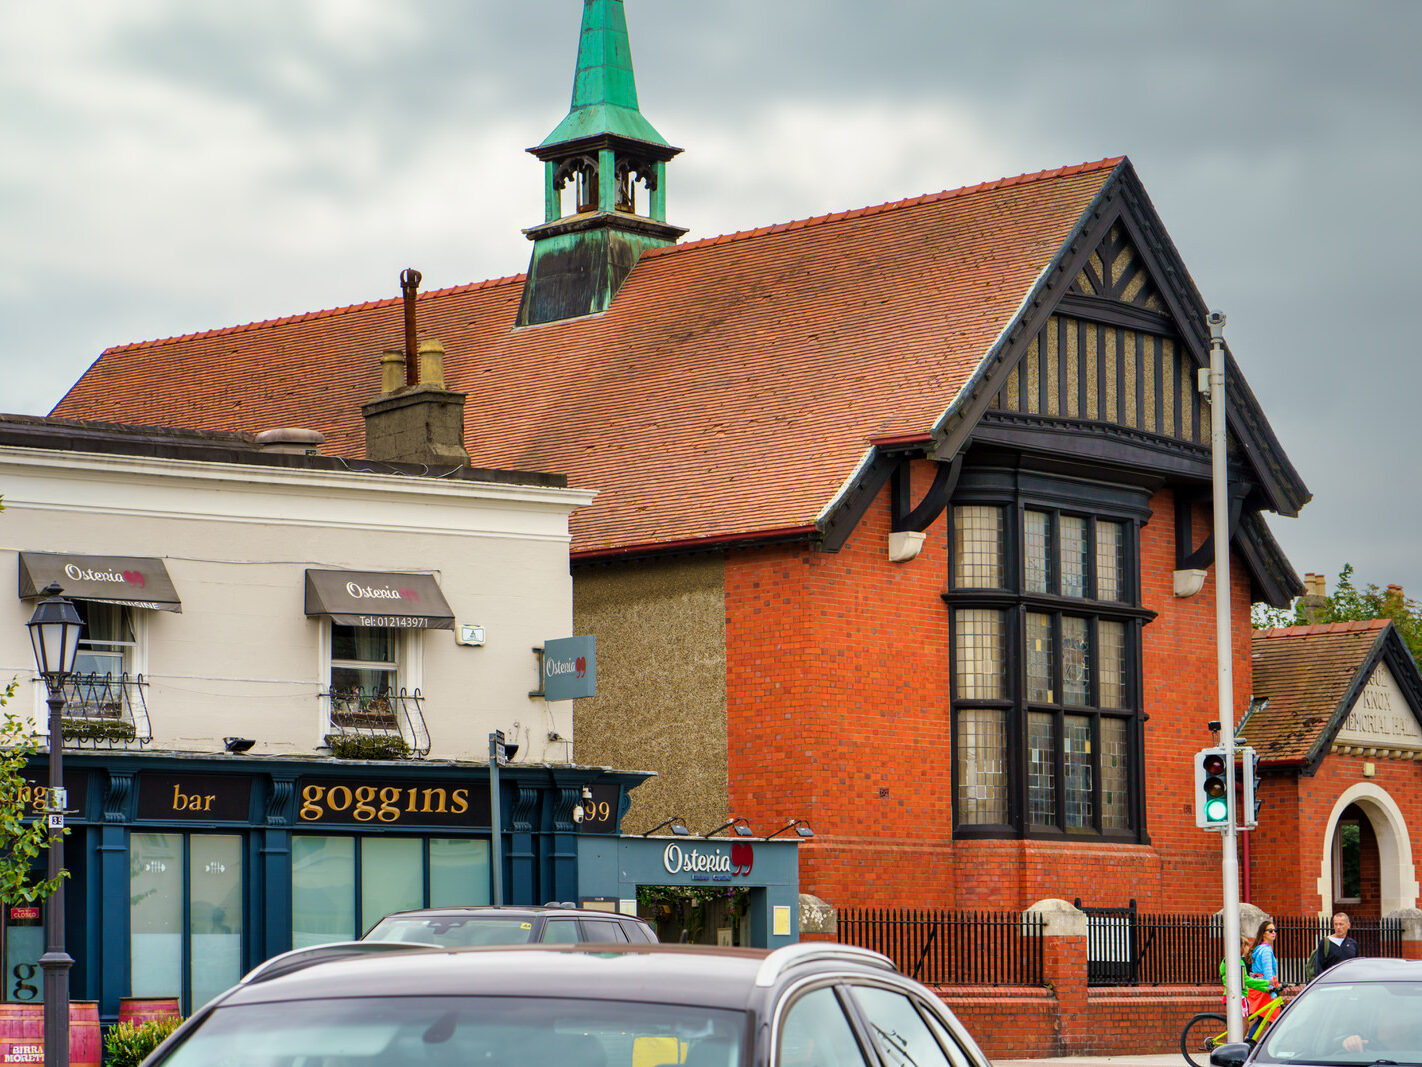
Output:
[[1009, 1022], [1131, 1019]]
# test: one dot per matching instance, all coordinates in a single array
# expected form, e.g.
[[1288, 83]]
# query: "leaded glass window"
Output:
[[1072, 533], [982, 783], [1115, 782], [978, 548], [979, 655], [1077, 749], [1041, 769], [1044, 696]]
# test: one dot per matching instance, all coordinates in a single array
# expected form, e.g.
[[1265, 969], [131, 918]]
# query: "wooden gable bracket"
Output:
[[1190, 565], [908, 522]]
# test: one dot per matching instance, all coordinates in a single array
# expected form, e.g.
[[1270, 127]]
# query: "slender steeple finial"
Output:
[[603, 149]]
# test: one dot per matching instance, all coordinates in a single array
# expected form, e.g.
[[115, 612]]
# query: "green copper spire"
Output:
[[597, 222], [604, 87]]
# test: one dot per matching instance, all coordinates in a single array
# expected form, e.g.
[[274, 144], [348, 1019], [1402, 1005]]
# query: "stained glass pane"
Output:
[[1111, 663], [1076, 742], [978, 648], [1036, 535], [1110, 561], [1039, 658], [982, 766], [1076, 669], [1071, 532], [1041, 769], [1115, 781], [977, 547]]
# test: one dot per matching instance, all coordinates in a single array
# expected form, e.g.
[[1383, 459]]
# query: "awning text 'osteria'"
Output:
[[138, 581], [378, 598]]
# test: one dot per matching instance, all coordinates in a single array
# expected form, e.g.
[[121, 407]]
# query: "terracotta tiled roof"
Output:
[[732, 389], [1305, 672]]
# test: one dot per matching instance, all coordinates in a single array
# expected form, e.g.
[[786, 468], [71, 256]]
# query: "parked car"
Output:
[[806, 1005], [551, 924], [1361, 1011]]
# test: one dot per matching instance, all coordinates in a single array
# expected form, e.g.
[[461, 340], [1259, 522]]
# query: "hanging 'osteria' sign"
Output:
[[1381, 722]]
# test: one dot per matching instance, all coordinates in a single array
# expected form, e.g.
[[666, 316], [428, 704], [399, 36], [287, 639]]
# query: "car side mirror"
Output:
[[1230, 1055]]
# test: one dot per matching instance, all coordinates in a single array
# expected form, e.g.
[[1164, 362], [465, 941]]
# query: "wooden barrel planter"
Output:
[[140, 1010], [22, 1033]]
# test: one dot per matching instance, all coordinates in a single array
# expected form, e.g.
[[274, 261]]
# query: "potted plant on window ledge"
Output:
[[368, 746]]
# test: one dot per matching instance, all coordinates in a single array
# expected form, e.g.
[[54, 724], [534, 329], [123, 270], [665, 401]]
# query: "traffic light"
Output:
[[1211, 794], [1249, 772]]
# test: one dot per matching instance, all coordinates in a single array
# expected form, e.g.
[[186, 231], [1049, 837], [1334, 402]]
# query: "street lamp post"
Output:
[[54, 632]]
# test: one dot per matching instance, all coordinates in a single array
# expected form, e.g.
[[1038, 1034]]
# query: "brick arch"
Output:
[[1398, 875]]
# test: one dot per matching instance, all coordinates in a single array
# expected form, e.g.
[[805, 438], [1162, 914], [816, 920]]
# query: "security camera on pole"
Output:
[[1229, 858]]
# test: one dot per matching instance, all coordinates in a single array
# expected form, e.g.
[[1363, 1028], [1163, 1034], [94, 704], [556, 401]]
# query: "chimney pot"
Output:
[[392, 370], [432, 363]]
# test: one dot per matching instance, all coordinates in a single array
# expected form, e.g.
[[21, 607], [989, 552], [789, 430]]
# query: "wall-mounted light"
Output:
[[237, 745], [800, 826], [676, 824], [581, 811], [742, 828]]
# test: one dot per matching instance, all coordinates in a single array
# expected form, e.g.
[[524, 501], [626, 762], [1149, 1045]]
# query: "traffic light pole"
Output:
[[1229, 858]]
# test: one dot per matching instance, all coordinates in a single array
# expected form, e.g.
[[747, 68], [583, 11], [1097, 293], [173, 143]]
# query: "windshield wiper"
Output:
[[896, 1043]]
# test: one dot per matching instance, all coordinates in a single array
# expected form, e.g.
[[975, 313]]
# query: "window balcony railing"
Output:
[[105, 711], [394, 723]]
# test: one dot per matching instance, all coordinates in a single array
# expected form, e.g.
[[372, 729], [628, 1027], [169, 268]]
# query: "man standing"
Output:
[[1337, 947]]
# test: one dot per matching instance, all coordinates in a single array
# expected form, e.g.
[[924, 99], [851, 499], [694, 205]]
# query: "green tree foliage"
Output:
[[1351, 603], [22, 831], [22, 835]]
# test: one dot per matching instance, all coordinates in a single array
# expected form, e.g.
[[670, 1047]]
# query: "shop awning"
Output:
[[138, 581], [378, 598]]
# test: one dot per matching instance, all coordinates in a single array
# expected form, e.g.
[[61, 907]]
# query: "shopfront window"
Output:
[[185, 915], [341, 886]]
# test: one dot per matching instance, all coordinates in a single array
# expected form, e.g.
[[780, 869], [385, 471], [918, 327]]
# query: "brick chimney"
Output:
[[415, 419], [1315, 597]]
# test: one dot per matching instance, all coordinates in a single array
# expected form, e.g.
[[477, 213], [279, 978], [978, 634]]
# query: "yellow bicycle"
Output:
[[1207, 1031]]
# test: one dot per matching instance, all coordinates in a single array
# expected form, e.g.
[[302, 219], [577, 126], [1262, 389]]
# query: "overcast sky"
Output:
[[169, 166]]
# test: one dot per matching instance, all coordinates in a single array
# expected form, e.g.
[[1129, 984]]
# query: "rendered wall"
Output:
[[661, 701], [242, 657]]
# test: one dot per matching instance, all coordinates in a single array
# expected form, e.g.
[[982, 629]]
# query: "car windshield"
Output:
[[452, 931], [1350, 1023], [449, 1031]]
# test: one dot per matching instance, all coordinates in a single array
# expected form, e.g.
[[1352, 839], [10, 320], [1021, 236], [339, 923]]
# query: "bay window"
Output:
[[1044, 605]]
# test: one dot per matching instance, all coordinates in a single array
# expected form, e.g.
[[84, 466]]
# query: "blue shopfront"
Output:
[[729, 891], [187, 871]]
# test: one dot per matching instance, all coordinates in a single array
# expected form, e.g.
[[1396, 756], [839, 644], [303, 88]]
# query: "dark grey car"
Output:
[[1358, 1012], [510, 925], [807, 1005]]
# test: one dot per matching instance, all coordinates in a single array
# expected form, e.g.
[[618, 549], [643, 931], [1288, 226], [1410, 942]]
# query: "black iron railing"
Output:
[[1125, 947], [105, 711], [379, 714], [951, 947]]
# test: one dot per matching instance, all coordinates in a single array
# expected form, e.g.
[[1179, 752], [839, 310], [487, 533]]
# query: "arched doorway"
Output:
[[1367, 851]]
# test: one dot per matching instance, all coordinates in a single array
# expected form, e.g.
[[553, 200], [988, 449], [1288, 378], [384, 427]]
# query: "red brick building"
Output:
[[1337, 720], [897, 507]]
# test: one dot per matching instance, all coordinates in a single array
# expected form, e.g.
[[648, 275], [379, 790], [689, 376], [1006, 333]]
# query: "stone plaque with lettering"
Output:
[[1381, 717]]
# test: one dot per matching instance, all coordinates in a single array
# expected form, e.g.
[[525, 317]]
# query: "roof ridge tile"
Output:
[[1349, 626], [877, 209], [305, 316]]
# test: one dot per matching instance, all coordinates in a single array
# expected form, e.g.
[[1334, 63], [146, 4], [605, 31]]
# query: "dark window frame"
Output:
[[1016, 493]]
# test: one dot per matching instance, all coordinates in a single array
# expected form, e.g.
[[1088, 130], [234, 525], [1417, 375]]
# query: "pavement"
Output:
[[1154, 1059]]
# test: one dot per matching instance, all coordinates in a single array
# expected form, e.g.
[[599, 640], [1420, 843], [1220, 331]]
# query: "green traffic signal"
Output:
[[1215, 802]]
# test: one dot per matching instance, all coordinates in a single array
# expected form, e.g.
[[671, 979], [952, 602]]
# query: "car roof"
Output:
[[707, 976], [1372, 969], [509, 911]]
